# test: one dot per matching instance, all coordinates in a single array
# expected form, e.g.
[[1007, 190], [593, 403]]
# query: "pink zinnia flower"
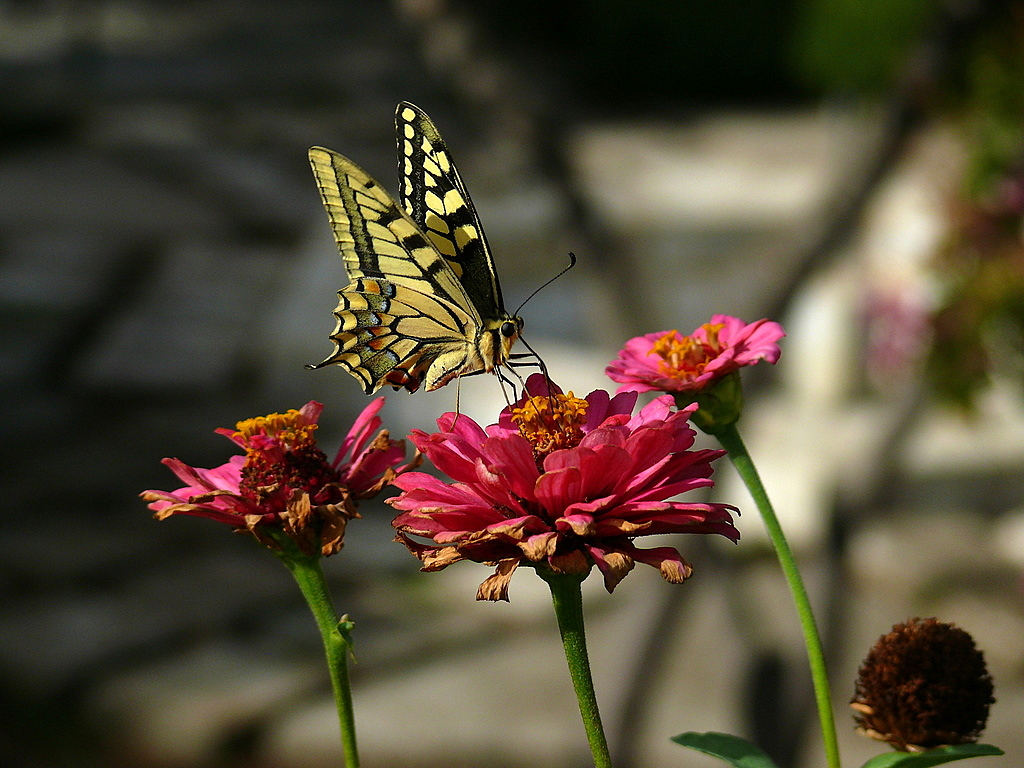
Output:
[[670, 362], [284, 479], [560, 483]]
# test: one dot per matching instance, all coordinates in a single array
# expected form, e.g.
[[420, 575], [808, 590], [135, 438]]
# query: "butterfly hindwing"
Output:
[[435, 197], [389, 333]]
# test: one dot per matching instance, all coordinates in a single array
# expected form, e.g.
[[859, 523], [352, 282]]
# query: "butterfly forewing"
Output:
[[434, 196], [376, 238]]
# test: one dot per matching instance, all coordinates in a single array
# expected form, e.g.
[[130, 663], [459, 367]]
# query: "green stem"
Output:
[[310, 578], [730, 439], [567, 597]]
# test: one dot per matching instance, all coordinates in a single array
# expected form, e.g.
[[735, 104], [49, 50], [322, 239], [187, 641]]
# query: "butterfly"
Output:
[[423, 305]]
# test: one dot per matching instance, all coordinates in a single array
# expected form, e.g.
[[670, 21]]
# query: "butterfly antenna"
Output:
[[540, 360], [570, 265], [502, 377]]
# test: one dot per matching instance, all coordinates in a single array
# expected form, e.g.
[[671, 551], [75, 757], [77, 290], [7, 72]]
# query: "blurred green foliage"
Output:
[[857, 46], [990, 102], [979, 328]]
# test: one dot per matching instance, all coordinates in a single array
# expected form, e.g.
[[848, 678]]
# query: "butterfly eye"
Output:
[[509, 329]]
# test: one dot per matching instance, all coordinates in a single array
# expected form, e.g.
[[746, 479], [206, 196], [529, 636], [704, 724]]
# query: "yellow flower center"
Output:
[[291, 460], [288, 429], [684, 357], [551, 422]]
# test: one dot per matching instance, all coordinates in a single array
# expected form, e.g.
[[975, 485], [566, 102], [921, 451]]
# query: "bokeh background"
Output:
[[851, 169]]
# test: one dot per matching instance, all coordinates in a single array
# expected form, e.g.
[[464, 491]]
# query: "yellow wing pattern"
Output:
[[434, 196]]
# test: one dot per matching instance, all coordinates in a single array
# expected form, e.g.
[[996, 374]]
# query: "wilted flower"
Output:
[[284, 479], [559, 483], [667, 361], [923, 685]]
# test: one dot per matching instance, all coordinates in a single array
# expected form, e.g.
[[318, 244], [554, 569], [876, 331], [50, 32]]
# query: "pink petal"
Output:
[[231, 435], [597, 409], [556, 490], [647, 447], [451, 457], [605, 435], [364, 428], [750, 343], [311, 411], [538, 385], [602, 469], [603, 409], [420, 485], [198, 480], [511, 458]]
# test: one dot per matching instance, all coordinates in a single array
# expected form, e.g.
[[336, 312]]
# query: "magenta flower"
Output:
[[670, 362], [560, 483], [284, 479]]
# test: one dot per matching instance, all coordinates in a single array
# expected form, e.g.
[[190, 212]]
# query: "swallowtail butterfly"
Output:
[[423, 304]]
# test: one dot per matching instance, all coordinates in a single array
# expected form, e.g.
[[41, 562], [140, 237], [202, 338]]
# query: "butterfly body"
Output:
[[423, 305]]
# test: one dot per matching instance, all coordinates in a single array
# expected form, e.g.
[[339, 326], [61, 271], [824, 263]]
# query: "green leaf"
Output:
[[732, 749], [345, 627], [936, 756]]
